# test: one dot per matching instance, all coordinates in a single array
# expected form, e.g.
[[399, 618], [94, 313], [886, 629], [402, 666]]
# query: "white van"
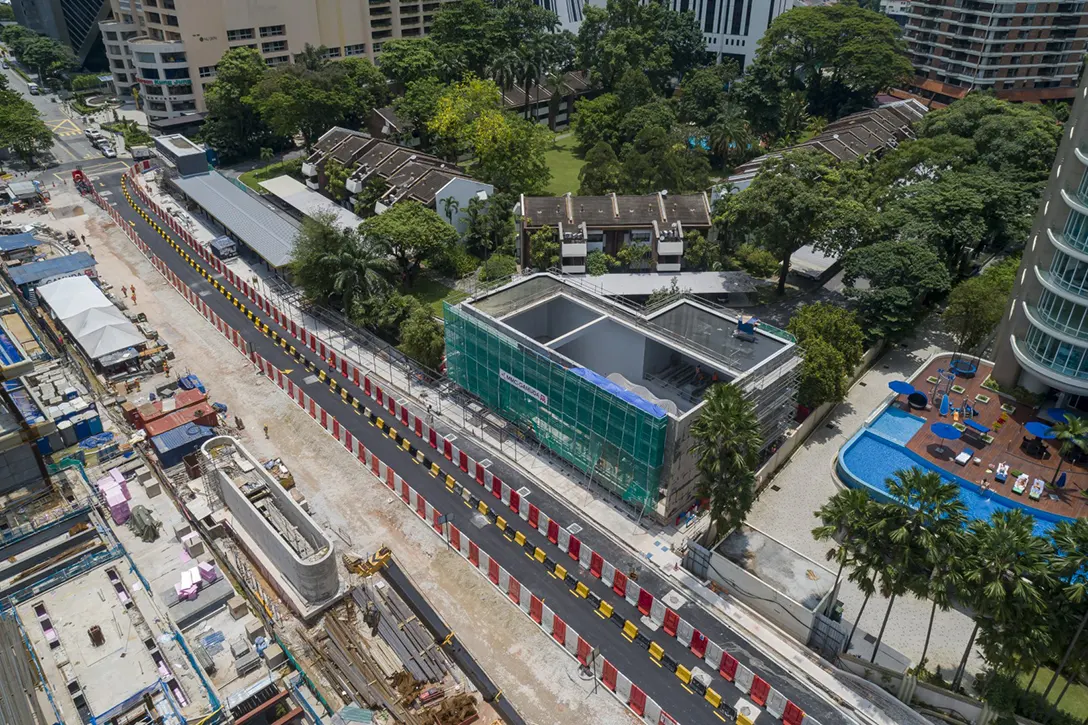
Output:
[[33, 88]]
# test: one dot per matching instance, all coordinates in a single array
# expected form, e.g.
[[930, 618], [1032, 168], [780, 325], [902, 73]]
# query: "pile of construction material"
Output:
[[389, 617]]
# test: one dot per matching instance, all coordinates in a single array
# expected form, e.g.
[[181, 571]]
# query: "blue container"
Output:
[[96, 424], [44, 447], [82, 426]]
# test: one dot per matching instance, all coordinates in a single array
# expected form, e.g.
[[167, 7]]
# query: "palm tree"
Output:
[[730, 135], [844, 514], [504, 70], [267, 154], [793, 118], [1006, 567], [944, 582], [928, 510], [1072, 432], [1071, 541], [359, 271], [530, 66], [863, 575], [727, 443], [555, 84], [450, 206]]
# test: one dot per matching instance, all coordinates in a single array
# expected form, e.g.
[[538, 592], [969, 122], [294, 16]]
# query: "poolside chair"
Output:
[[965, 456], [1002, 473], [1021, 484], [1037, 489]]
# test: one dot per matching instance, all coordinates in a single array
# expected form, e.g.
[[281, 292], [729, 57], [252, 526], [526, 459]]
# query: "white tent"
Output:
[[88, 315]]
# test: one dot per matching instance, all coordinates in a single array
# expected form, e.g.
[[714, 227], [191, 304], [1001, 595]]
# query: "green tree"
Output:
[[422, 338], [475, 32], [726, 445], [368, 198], [411, 234], [7, 14], [1005, 569], [233, 127], [405, 60], [49, 57], [635, 256], [832, 341], [498, 267], [544, 249], [319, 244], [928, 511], [419, 105], [336, 175], [17, 37], [655, 160], [596, 121], [490, 225], [902, 278], [601, 173], [22, 129], [974, 308], [704, 92], [450, 206], [312, 58], [844, 519], [1071, 541], [1073, 434], [658, 112], [840, 56], [361, 271], [598, 263], [511, 153], [794, 201], [700, 253], [824, 376], [731, 137]]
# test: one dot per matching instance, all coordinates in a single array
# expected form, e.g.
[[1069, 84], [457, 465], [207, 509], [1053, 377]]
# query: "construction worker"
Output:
[[133, 296], [124, 291], [266, 432]]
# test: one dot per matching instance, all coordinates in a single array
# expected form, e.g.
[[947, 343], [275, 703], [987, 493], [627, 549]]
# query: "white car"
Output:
[[108, 152]]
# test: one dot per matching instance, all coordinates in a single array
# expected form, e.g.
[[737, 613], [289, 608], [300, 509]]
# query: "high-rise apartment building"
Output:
[[1042, 343], [169, 48], [72, 22], [1021, 51], [731, 28]]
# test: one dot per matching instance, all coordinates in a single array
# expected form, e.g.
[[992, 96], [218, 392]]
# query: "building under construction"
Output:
[[613, 389]]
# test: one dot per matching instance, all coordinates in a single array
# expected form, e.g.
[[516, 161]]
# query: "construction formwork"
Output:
[[620, 446]]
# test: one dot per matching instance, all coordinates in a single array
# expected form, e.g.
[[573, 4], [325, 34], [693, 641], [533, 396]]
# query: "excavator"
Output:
[[83, 184]]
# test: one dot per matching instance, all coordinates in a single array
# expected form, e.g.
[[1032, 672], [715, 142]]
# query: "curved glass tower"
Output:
[[1042, 344]]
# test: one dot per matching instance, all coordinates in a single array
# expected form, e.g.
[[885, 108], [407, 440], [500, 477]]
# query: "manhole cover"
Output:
[[479, 521], [310, 379], [574, 528], [673, 600], [205, 293], [775, 487], [524, 491]]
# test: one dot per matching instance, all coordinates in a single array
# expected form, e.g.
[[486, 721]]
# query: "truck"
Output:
[[140, 153]]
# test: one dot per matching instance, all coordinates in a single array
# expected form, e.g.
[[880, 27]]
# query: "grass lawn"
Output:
[[253, 178], [434, 293], [564, 166], [1075, 701]]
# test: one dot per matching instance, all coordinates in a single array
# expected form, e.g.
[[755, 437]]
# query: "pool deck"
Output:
[[1068, 501]]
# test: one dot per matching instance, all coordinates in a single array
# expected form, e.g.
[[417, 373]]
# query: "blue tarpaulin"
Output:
[[604, 383], [47, 268], [15, 242], [190, 382]]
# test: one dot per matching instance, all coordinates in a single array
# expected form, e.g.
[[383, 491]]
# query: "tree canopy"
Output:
[[21, 127], [411, 234], [833, 342]]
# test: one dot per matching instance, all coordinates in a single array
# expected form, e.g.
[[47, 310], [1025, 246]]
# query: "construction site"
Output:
[[154, 570]]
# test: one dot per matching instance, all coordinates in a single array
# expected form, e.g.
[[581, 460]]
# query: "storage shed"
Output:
[[174, 445]]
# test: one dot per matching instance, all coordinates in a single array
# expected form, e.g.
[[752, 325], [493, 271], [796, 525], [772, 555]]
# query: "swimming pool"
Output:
[[897, 424], [869, 458]]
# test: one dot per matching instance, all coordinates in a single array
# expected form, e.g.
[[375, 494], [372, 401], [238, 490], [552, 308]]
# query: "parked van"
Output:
[[33, 88]]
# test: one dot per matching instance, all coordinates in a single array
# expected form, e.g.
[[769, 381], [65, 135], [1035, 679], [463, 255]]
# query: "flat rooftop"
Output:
[[668, 357], [801, 579], [179, 144]]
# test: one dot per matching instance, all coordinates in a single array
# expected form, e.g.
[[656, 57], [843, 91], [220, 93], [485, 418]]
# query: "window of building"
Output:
[[1066, 317], [1058, 355], [171, 20], [270, 31], [331, 53], [207, 71], [240, 34], [154, 18], [113, 49], [176, 57], [110, 35], [357, 49], [145, 57], [176, 73], [168, 5], [150, 73], [126, 18], [173, 36], [151, 3], [277, 60], [275, 46]]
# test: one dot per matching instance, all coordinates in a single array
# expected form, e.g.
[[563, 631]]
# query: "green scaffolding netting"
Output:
[[595, 430]]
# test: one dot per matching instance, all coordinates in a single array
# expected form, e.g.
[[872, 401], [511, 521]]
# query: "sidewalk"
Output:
[[650, 543]]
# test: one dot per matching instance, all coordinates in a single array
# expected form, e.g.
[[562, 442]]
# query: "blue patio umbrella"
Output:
[[1039, 429], [1058, 414], [901, 387], [944, 405], [945, 431], [1060, 483]]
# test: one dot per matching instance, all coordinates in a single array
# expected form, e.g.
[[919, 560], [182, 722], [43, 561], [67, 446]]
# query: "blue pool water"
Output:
[[868, 459], [897, 425]]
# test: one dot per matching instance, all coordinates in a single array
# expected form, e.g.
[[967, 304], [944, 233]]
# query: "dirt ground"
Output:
[[533, 673]]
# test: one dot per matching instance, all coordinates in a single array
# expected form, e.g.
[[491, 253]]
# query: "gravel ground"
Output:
[[541, 680]]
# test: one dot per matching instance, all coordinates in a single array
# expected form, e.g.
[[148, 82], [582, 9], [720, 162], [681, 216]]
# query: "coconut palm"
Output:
[[504, 70], [731, 137], [944, 582], [359, 271], [1006, 569], [863, 572], [531, 63], [928, 510], [450, 206], [727, 443], [845, 513], [1073, 433], [1071, 541]]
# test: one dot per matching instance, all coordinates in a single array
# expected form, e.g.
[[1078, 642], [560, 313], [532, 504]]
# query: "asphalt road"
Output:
[[631, 658], [70, 146]]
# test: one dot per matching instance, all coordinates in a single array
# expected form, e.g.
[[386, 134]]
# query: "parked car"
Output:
[[92, 133], [33, 88], [108, 151], [4, 64]]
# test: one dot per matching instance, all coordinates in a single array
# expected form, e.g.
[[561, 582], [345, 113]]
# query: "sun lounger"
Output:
[[1002, 473], [965, 456], [1037, 489], [1021, 484]]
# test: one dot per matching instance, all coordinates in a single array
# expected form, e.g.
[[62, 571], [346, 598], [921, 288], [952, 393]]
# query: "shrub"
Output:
[[455, 262], [598, 263], [498, 266], [756, 261]]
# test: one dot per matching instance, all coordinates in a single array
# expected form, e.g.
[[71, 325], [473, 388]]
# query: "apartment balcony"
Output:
[[670, 247], [573, 249], [312, 183], [574, 268], [310, 169], [354, 185], [1048, 368], [673, 265]]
